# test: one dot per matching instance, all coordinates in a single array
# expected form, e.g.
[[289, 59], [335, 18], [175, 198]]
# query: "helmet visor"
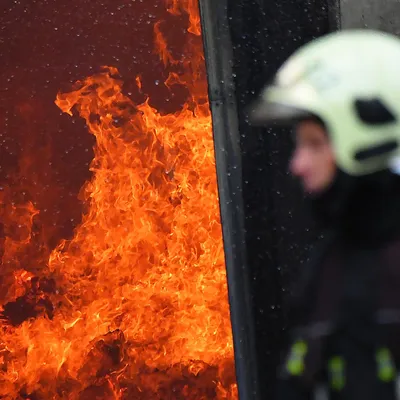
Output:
[[263, 113]]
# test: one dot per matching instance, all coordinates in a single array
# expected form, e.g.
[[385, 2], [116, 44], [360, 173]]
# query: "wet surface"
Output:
[[279, 230]]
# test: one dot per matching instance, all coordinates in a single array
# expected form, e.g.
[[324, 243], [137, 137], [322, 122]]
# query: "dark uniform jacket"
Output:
[[345, 312]]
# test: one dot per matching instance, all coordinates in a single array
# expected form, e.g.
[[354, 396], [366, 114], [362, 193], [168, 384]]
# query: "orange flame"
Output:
[[139, 83], [191, 7], [140, 309]]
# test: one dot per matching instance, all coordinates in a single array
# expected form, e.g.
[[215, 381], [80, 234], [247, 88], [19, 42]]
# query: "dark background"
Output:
[[279, 230]]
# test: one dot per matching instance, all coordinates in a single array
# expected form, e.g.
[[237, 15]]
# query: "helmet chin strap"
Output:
[[361, 209], [330, 204]]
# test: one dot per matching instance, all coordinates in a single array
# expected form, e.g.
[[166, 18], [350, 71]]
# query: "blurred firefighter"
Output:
[[341, 95]]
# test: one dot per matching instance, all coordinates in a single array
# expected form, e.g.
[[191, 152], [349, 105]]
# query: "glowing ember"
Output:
[[135, 305]]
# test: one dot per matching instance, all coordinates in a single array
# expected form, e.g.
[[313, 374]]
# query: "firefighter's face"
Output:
[[313, 161]]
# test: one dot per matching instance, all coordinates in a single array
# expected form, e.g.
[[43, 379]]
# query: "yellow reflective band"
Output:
[[337, 373], [295, 363], [386, 368]]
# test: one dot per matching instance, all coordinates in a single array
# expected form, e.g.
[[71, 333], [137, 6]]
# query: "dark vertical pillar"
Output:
[[383, 15], [218, 54]]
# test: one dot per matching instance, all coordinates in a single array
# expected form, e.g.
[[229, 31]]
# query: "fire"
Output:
[[134, 306], [192, 8]]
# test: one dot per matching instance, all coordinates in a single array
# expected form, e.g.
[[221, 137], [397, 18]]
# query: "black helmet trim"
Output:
[[376, 151], [373, 112]]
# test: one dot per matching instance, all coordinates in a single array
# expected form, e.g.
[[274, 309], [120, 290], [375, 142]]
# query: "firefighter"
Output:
[[341, 95]]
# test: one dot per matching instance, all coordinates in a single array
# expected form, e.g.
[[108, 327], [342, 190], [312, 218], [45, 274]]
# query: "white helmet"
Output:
[[351, 81]]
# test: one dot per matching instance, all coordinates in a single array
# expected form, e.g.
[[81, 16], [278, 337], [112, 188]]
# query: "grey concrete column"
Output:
[[374, 14]]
